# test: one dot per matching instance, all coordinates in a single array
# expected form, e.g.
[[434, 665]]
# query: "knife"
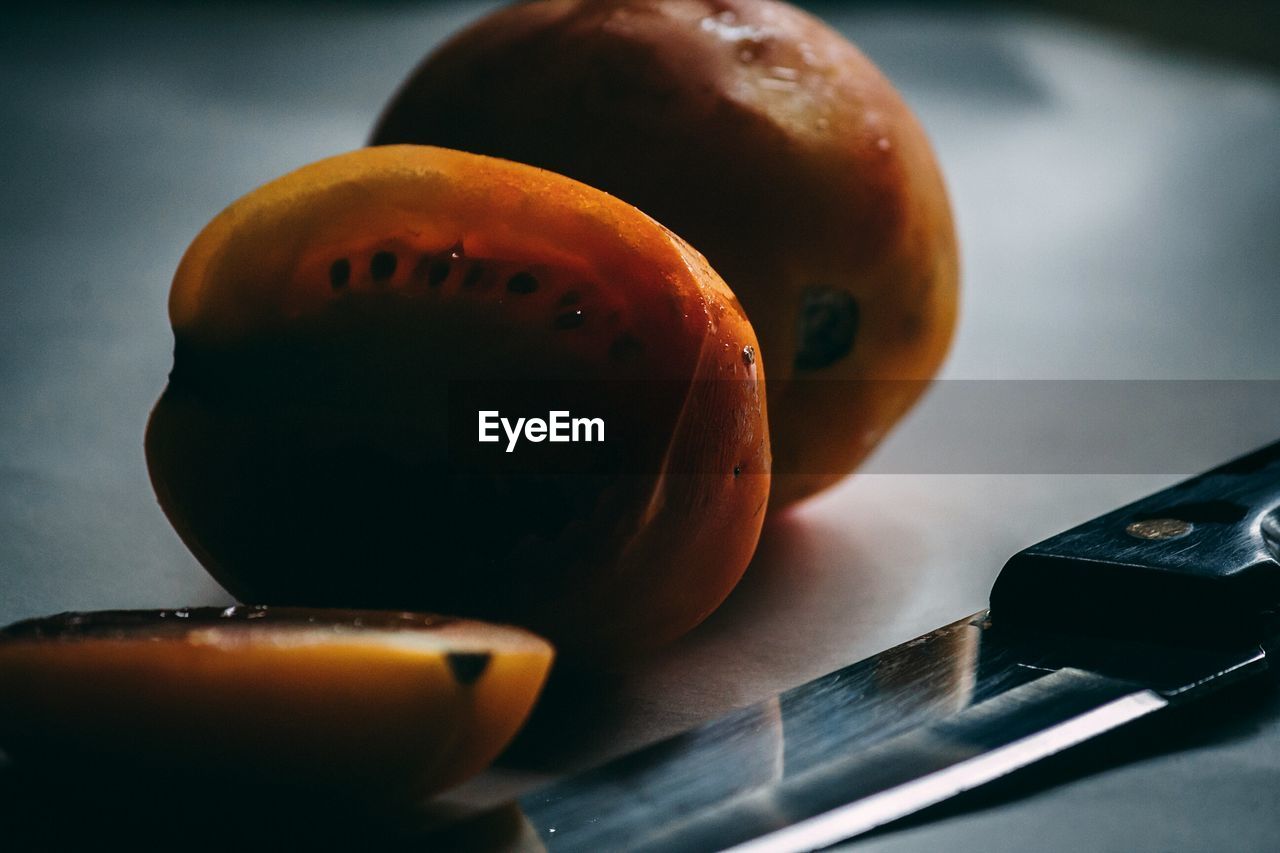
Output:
[[1149, 606]]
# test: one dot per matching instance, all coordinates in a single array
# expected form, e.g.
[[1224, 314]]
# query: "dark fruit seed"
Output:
[[570, 320], [737, 470], [467, 667], [522, 282], [382, 266], [473, 276], [340, 272], [437, 273], [826, 327], [625, 348]]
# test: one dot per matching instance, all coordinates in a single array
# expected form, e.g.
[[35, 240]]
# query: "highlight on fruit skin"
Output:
[[771, 144], [337, 333], [378, 708]]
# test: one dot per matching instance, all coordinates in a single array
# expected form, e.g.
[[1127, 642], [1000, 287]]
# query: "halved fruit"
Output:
[[340, 332], [377, 707]]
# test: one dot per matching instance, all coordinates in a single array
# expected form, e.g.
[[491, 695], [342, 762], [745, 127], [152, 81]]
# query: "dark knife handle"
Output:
[[1194, 564]]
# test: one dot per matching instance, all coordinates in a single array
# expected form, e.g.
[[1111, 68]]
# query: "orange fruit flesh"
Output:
[[367, 706]]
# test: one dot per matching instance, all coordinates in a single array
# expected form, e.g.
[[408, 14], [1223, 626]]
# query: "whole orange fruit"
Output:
[[766, 140]]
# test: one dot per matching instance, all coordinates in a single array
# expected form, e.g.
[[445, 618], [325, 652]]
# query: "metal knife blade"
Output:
[[1155, 604]]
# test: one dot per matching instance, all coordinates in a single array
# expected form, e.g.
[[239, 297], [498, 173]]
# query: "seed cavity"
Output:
[[522, 282], [467, 667], [382, 266], [340, 273], [569, 319], [438, 272], [826, 327], [625, 348]]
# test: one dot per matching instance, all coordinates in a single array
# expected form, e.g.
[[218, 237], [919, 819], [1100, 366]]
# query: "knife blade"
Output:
[[1152, 605]]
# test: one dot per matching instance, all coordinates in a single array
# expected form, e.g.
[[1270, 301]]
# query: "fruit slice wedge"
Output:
[[369, 706]]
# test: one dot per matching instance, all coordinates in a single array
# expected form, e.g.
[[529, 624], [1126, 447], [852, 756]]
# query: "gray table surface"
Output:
[[1117, 205]]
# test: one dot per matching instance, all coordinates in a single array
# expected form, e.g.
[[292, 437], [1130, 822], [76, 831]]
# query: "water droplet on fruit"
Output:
[[776, 84]]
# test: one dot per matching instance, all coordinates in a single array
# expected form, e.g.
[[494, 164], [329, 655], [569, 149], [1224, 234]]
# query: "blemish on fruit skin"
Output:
[[569, 319], [340, 273], [382, 266], [467, 667], [748, 355], [826, 327]]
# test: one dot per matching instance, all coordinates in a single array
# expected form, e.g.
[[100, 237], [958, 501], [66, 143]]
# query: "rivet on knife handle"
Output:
[[1195, 564]]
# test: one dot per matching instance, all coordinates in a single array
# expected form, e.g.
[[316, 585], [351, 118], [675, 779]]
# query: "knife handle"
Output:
[[1195, 564]]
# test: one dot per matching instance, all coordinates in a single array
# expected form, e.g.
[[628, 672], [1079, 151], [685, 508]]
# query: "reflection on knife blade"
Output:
[[1173, 617]]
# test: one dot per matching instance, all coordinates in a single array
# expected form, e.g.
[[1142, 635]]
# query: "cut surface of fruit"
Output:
[[341, 331], [771, 144], [367, 706]]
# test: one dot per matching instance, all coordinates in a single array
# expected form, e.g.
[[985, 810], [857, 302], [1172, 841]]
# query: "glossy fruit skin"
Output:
[[316, 443], [767, 141], [371, 709]]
